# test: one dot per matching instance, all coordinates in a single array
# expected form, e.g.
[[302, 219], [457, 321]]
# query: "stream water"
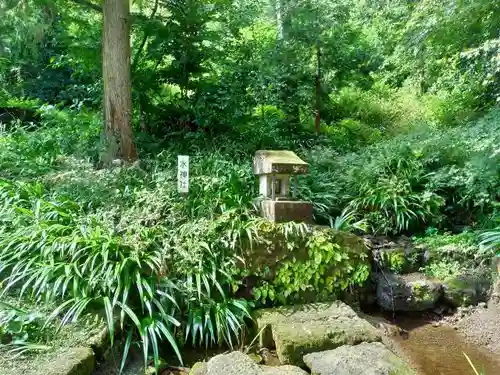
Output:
[[439, 350]]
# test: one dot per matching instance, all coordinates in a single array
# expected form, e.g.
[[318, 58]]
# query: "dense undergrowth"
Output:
[[122, 241], [394, 105]]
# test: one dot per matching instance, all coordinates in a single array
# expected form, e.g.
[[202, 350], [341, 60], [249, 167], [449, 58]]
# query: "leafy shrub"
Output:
[[52, 249], [392, 207], [329, 268], [491, 240], [444, 269], [20, 329]]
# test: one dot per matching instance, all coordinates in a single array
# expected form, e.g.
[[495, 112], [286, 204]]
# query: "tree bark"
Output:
[[317, 119], [117, 81]]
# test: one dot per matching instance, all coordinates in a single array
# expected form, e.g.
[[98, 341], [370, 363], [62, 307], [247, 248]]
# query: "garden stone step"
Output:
[[363, 359], [411, 292], [303, 329]]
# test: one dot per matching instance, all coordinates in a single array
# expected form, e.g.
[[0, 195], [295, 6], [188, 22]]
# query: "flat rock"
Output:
[[303, 329], [237, 363], [412, 292], [75, 361], [363, 359]]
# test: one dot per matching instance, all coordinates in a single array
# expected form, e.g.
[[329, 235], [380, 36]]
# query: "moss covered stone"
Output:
[[366, 359], [75, 361], [466, 289], [199, 368], [412, 292], [238, 363], [302, 329]]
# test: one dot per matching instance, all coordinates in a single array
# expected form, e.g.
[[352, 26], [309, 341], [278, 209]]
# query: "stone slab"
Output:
[[363, 359], [304, 329], [75, 361]]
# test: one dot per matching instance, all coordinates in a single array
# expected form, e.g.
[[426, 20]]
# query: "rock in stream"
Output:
[[366, 359], [303, 329], [411, 292]]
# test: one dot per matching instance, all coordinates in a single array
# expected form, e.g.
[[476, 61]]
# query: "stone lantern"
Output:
[[277, 171]]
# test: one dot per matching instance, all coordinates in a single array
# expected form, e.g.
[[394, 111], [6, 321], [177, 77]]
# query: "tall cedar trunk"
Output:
[[317, 119], [117, 82]]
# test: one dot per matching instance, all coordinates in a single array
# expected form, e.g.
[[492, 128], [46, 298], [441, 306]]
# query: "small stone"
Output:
[[256, 358], [482, 305], [436, 324]]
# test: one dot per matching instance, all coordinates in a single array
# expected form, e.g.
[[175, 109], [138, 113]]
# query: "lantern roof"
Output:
[[278, 162]]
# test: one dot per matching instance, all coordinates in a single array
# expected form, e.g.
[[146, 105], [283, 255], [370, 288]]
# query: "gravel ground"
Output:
[[481, 326]]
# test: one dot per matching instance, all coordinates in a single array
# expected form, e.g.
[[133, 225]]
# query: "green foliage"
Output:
[[491, 240], [454, 254], [327, 270], [392, 207], [146, 275], [444, 269], [394, 261], [20, 328], [398, 87]]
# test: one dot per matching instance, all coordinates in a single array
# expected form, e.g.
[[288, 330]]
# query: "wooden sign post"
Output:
[[183, 174]]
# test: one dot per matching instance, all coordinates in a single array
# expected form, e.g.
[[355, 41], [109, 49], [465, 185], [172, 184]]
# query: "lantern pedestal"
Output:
[[283, 211]]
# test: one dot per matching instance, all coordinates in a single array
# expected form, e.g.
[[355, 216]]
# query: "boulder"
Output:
[[412, 292], [303, 329], [237, 363], [396, 255], [366, 358], [466, 289]]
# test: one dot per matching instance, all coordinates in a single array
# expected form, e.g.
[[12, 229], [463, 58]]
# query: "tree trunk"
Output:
[[279, 19], [117, 82], [317, 119]]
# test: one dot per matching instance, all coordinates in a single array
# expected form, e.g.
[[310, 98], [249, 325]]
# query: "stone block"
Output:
[[75, 361], [283, 211]]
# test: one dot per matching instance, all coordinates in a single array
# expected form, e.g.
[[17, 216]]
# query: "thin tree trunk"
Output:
[[317, 119], [279, 19], [117, 82]]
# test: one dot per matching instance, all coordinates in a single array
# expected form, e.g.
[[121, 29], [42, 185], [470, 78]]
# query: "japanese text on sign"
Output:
[[183, 174]]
